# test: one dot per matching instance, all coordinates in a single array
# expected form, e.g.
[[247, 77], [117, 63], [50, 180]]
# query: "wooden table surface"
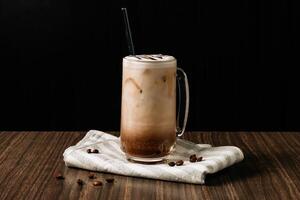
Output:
[[271, 170]]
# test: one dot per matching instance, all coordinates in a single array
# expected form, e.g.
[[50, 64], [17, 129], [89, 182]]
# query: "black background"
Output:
[[61, 61]]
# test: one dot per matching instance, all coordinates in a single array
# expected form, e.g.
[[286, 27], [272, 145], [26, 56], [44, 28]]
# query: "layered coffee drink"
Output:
[[148, 115]]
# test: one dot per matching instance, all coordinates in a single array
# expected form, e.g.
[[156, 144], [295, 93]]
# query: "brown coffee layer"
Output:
[[147, 145]]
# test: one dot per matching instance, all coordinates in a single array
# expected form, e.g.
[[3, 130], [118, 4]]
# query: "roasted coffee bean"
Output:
[[199, 159], [172, 164], [59, 176], [179, 162], [89, 150], [79, 182], [110, 180], [97, 183], [193, 158], [95, 151], [92, 176]]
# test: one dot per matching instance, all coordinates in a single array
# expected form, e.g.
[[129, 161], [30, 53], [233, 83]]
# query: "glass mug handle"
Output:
[[180, 131]]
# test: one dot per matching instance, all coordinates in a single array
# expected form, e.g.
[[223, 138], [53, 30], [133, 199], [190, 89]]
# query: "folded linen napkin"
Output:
[[111, 159]]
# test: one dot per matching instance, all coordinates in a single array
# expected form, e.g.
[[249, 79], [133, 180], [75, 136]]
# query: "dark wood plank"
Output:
[[29, 161]]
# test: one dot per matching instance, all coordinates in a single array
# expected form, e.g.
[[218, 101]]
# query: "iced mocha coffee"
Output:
[[148, 115]]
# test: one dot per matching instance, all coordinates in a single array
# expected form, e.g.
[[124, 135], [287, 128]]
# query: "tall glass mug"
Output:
[[149, 125]]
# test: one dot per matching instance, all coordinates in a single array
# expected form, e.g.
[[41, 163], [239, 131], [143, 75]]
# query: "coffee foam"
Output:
[[149, 61], [150, 58]]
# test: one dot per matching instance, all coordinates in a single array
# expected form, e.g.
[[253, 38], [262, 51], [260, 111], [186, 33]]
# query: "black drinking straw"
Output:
[[128, 32]]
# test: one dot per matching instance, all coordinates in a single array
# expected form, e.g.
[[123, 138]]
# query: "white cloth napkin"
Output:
[[111, 159]]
